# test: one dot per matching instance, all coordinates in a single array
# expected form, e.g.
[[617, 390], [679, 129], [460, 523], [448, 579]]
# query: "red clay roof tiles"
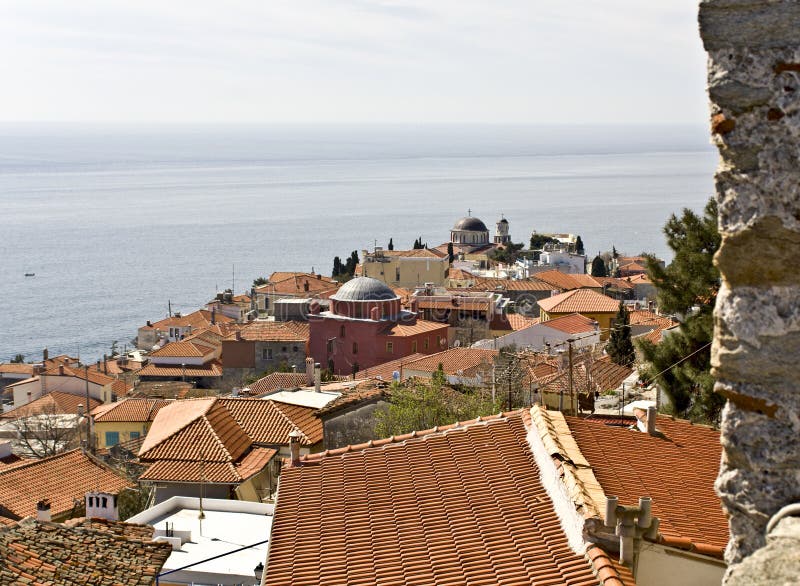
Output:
[[579, 301]]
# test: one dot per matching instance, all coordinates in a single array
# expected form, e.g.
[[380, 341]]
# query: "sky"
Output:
[[352, 61]]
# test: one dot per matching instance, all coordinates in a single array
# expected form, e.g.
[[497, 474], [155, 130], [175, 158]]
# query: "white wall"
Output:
[[658, 565], [537, 336]]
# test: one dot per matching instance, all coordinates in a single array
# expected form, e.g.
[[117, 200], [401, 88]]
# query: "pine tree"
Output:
[[391, 245], [687, 288], [337, 266], [620, 346], [418, 244], [599, 267], [579, 245], [451, 255]]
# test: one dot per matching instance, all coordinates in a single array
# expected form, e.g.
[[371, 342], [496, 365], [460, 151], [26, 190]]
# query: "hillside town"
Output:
[[378, 418]]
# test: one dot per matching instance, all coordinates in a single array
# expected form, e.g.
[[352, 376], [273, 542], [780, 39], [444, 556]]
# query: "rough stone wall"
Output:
[[754, 87]]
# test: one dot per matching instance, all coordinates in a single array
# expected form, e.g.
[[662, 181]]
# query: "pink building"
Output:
[[366, 325]]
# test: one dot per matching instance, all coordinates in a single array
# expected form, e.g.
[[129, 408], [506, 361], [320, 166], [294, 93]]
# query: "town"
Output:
[[408, 398]]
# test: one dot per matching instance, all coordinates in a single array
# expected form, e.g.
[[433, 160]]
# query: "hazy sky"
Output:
[[509, 61]]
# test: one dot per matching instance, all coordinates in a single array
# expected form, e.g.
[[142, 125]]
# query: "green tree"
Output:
[[599, 267], [620, 346], [418, 244], [450, 254], [391, 245], [539, 240], [18, 359], [337, 267], [687, 288], [508, 254], [259, 281], [579, 245]]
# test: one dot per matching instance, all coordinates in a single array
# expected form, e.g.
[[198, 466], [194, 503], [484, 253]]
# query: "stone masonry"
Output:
[[754, 88]]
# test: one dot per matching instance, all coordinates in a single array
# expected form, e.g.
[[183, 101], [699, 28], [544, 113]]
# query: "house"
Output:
[[93, 551], [350, 418], [209, 539], [176, 327], [123, 421], [563, 260], [11, 373], [366, 325], [63, 480], [458, 504], [591, 304], [297, 285], [196, 358], [461, 366], [524, 293], [223, 448], [674, 465], [470, 315], [263, 346], [236, 307], [405, 268], [72, 380], [555, 332]]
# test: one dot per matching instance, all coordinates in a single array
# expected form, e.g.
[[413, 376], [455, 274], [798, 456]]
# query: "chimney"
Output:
[[213, 316], [105, 363], [238, 335], [294, 447], [97, 366], [43, 510], [309, 371], [317, 377], [651, 420], [149, 325], [45, 355], [61, 369], [101, 505]]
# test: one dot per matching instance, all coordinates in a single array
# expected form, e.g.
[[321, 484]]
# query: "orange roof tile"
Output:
[[15, 368], [189, 349], [579, 301], [196, 319], [384, 371], [92, 374], [211, 369], [368, 390], [56, 402], [421, 326], [519, 321], [62, 479], [273, 331], [574, 323], [197, 471], [276, 381], [465, 506], [643, 317], [415, 253], [614, 283], [299, 284], [454, 360], [562, 281], [677, 471], [131, 409], [270, 422]]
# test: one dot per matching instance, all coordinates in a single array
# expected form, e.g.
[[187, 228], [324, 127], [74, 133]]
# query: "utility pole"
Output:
[[571, 390], [169, 307]]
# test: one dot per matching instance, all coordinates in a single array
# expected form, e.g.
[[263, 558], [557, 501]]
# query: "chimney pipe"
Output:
[[309, 371], [45, 355], [43, 510], [317, 377], [294, 447], [651, 420], [97, 366]]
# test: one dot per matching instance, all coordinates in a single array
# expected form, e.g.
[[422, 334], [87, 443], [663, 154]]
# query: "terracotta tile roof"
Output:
[[455, 303], [579, 301], [62, 479], [640, 279], [420, 327], [195, 429], [384, 371], [56, 402], [296, 283], [50, 553], [197, 319], [653, 336], [574, 323], [415, 253], [614, 283], [274, 331], [519, 321], [510, 285], [465, 506], [599, 375], [454, 360], [9, 368], [183, 348], [92, 374], [677, 471], [130, 409], [459, 275], [283, 275], [563, 281], [648, 318], [270, 422], [369, 390], [276, 381], [195, 471], [211, 369], [12, 460]]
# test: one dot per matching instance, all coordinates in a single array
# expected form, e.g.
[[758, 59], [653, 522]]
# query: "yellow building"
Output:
[[123, 421], [588, 303], [405, 268]]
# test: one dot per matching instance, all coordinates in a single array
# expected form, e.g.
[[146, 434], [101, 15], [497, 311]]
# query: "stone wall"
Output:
[[754, 88]]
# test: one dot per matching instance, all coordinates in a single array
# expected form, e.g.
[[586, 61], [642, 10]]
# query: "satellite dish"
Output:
[[457, 343]]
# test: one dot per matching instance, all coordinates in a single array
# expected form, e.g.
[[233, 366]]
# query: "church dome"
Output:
[[364, 289], [470, 224]]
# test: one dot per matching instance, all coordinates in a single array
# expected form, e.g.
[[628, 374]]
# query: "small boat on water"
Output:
[[30, 274]]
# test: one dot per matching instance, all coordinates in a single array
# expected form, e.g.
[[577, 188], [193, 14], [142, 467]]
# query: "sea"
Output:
[[120, 223]]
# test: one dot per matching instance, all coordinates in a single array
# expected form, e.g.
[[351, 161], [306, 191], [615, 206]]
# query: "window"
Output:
[[112, 438], [266, 353], [283, 349], [341, 332], [426, 343], [389, 347], [413, 346], [294, 348], [135, 435], [355, 348], [330, 346]]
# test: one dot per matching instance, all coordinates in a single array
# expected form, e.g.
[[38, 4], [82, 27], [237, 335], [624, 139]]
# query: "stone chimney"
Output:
[[43, 511], [317, 377], [309, 371], [102, 505], [294, 447], [651, 420], [105, 363]]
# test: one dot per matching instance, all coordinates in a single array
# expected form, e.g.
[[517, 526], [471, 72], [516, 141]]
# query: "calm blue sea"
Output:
[[117, 221]]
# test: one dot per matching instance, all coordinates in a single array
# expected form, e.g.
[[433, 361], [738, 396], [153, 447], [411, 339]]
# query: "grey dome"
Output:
[[503, 221], [470, 224], [364, 289]]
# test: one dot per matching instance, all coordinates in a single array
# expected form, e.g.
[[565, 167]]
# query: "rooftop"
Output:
[[454, 361], [273, 331], [55, 403], [130, 409], [579, 301], [574, 323], [364, 289], [470, 224]]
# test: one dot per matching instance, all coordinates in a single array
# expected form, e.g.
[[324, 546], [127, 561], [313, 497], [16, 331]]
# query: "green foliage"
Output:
[[259, 281], [620, 346], [508, 254], [599, 267], [418, 244], [539, 240], [133, 501], [688, 288], [422, 405], [114, 351], [344, 272], [439, 377], [18, 359], [391, 245], [451, 255], [579, 245]]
